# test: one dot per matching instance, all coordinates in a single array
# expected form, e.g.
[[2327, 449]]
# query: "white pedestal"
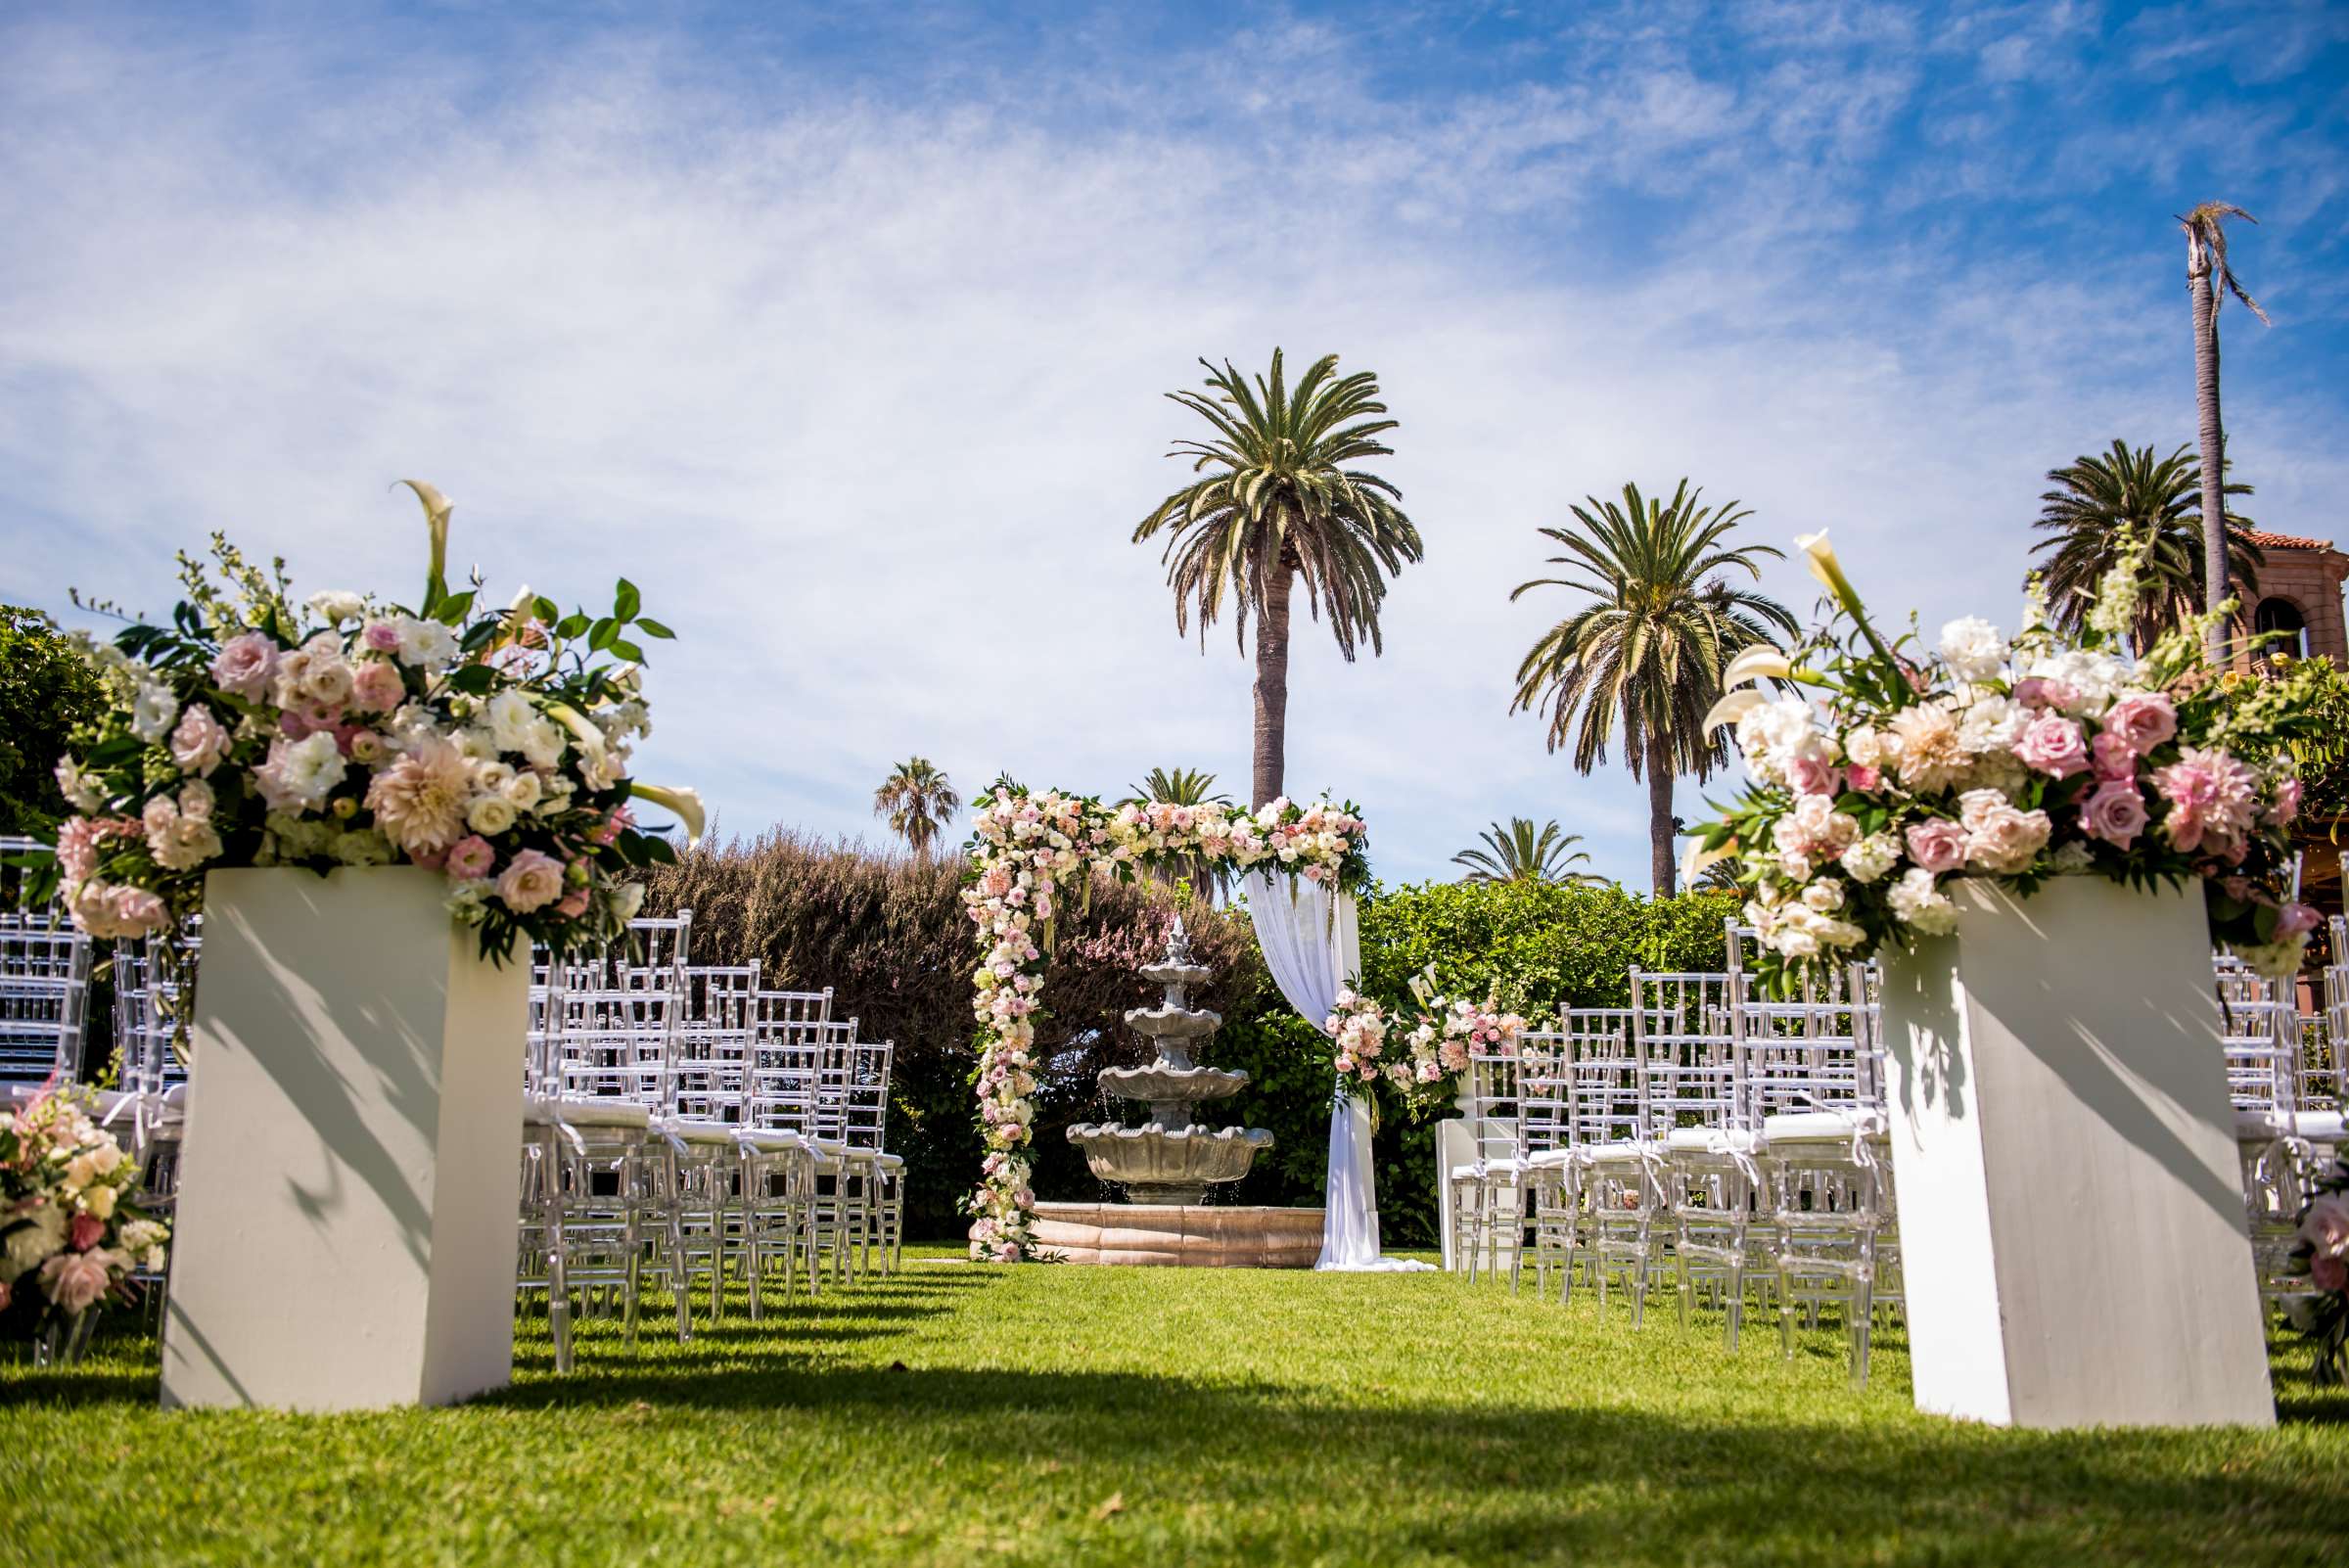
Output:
[[346, 1220], [2071, 1211]]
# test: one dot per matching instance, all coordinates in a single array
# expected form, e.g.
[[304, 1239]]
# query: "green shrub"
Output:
[[887, 932]]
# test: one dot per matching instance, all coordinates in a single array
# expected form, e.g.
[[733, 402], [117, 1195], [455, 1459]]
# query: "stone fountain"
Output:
[[1167, 1164], [1171, 1158]]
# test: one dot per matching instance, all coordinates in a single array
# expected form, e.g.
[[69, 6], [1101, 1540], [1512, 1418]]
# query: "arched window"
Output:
[[2282, 615]]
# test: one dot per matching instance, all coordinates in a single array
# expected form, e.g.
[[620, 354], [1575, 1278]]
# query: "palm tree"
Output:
[[1280, 503], [918, 801], [1187, 786], [1647, 651], [1516, 853], [2208, 282], [2159, 503]]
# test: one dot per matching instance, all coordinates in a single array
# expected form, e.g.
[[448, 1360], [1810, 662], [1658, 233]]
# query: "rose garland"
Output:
[[1027, 850], [2010, 759], [67, 1225], [2321, 1256], [1436, 1049], [491, 747]]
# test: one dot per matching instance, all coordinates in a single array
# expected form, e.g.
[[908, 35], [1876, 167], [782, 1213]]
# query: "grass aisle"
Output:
[[1064, 1415]]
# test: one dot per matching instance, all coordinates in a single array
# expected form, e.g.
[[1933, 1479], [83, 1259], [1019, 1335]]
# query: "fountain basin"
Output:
[[1158, 1083], [1161, 1165], [1174, 1236]]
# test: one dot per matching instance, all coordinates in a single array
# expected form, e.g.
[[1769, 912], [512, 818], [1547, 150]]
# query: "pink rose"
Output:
[[83, 1231], [2115, 814], [376, 687], [2146, 718], [2111, 756], [574, 905], [138, 912], [2329, 1273], [74, 1280], [1938, 846], [77, 841], [200, 742], [468, 857], [2326, 1225], [2054, 745], [1809, 775], [382, 636], [245, 665], [2287, 803], [531, 881], [1867, 780], [2295, 919]]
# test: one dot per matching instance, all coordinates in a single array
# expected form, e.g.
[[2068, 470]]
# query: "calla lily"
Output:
[[590, 738], [684, 804], [437, 508], [1693, 864], [1759, 662], [1820, 556], [1733, 706]]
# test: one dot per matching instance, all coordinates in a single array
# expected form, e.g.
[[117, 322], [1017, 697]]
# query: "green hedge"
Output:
[[888, 932]]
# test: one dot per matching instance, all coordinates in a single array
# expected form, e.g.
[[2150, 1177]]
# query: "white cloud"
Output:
[[866, 394]]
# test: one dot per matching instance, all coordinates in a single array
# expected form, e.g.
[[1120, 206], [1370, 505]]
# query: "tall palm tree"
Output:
[[918, 801], [1517, 854], [1647, 651], [1187, 786], [2099, 494], [1279, 502], [2208, 280]]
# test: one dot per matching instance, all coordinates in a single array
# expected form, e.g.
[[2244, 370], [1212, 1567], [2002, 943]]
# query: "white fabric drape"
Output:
[[1315, 950]]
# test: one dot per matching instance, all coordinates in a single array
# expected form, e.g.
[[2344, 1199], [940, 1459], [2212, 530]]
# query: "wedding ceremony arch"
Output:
[[1032, 850]]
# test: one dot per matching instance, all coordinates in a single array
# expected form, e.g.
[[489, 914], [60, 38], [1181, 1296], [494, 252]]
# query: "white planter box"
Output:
[[346, 1223], [2071, 1209]]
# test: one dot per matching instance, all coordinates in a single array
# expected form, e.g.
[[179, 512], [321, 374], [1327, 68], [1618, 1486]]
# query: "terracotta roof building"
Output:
[[2299, 594]]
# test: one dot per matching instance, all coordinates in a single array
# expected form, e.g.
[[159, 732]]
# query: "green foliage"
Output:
[[2104, 503], [46, 692], [1518, 853]]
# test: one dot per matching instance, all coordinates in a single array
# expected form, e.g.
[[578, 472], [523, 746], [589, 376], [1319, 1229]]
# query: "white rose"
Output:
[[509, 715], [626, 898], [490, 777], [99, 1202], [426, 644], [490, 815], [1823, 895], [1872, 857], [522, 789], [542, 743], [337, 605]]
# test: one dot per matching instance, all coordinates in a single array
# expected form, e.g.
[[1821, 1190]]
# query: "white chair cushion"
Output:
[[2259, 1124], [770, 1140], [703, 1132], [1819, 1126], [583, 1110], [1708, 1140], [2322, 1127]]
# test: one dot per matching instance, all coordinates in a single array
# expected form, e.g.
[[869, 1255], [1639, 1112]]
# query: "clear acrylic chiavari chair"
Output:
[[778, 1160], [44, 987], [1488, 1195]]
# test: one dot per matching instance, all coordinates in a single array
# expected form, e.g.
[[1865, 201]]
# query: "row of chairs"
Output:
[[1714, 1141], [1707, 1141], [683, 1124]]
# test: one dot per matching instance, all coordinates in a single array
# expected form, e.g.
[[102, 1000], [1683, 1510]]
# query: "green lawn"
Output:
[[1063, 1415]]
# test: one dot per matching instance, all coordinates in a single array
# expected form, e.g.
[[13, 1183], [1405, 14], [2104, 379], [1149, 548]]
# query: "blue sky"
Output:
[[843, 330]]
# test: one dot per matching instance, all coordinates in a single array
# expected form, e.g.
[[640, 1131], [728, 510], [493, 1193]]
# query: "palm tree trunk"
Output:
[[2211, 434], [1272, 685], [1659, 812]]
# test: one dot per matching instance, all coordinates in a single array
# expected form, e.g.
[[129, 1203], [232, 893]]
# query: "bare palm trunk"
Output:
[[1659, 812], [2211, 434], [1272, 685]]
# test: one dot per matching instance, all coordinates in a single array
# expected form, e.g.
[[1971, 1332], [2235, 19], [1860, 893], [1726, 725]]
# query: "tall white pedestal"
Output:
[[346, 1222], [2071, 1209]]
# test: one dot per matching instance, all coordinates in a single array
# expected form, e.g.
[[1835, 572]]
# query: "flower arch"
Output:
[[1028, 850]]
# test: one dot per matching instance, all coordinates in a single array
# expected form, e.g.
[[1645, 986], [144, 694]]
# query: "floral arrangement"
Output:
[[2320, 1255], [1436, 1049], [490, 746], [69, 1231], [2013, 760], [1027, 849]]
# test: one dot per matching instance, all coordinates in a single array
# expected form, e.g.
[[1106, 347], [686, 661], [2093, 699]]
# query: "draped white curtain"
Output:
[[1315, 950]]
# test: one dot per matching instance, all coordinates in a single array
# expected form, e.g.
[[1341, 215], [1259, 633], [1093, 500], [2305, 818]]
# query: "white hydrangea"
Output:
[[1916, 901], [1872, 856], [1972, 648]]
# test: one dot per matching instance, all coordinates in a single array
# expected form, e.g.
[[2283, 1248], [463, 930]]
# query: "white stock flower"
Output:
[[1972, 648], [154, 710], [1872, 856]]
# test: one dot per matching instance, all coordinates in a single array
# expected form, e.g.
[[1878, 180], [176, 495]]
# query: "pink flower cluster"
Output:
[[67, 1221]]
